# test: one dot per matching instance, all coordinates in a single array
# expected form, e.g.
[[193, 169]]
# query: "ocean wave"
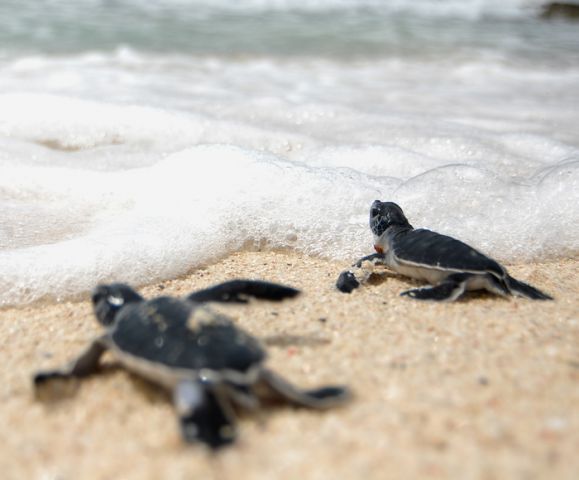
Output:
[[260, 28], [466, 8]]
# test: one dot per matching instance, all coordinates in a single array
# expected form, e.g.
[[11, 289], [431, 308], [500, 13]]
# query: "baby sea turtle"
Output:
[[209, 364], [451, 266]]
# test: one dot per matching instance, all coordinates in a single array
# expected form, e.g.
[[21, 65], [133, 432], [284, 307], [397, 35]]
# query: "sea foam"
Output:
[[96, 192]]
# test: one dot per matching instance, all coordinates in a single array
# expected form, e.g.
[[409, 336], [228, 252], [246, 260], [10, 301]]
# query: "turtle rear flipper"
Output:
[[239, 291], [319, 398], [204, 416], [449, 290], [86, 363], [522, 289]]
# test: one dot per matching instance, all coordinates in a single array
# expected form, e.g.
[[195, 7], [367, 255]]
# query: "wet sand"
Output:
[[484, 388]]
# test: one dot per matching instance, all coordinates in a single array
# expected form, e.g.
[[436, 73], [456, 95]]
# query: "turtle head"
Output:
[[384, 215], [107, 300]]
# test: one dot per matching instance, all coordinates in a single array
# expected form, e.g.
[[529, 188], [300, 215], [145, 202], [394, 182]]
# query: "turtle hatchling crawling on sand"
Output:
[[450, 266], [210, 365]]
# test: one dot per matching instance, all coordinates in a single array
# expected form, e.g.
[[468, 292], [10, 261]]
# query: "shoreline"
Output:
[[480, 388]]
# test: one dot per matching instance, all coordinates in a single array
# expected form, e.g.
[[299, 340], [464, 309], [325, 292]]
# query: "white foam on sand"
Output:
[[254, 156]]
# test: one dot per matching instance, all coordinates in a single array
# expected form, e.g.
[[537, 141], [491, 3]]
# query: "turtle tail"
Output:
[[522, 289]]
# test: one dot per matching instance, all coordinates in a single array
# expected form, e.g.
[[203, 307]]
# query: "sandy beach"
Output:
[[484, 388]]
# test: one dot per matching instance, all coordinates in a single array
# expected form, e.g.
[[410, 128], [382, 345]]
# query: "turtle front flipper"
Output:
[[204, 414], [449, 290], [239, 291], [86, 363], [372, 259], [349, 280], [522, 289], [319, 398]]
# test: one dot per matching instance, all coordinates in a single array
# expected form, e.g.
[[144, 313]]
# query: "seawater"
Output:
[[139, 140]]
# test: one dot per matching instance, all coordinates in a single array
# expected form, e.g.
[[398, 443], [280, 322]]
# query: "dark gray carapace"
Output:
[[210, 366]]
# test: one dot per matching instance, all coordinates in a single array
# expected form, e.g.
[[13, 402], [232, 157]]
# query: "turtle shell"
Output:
[[184, 335], [429, 249]]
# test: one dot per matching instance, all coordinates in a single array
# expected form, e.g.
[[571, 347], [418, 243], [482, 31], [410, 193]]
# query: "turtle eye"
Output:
[[114, 300], [374, 212]]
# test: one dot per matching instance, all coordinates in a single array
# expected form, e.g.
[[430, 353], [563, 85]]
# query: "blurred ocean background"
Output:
[[141, 139]]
